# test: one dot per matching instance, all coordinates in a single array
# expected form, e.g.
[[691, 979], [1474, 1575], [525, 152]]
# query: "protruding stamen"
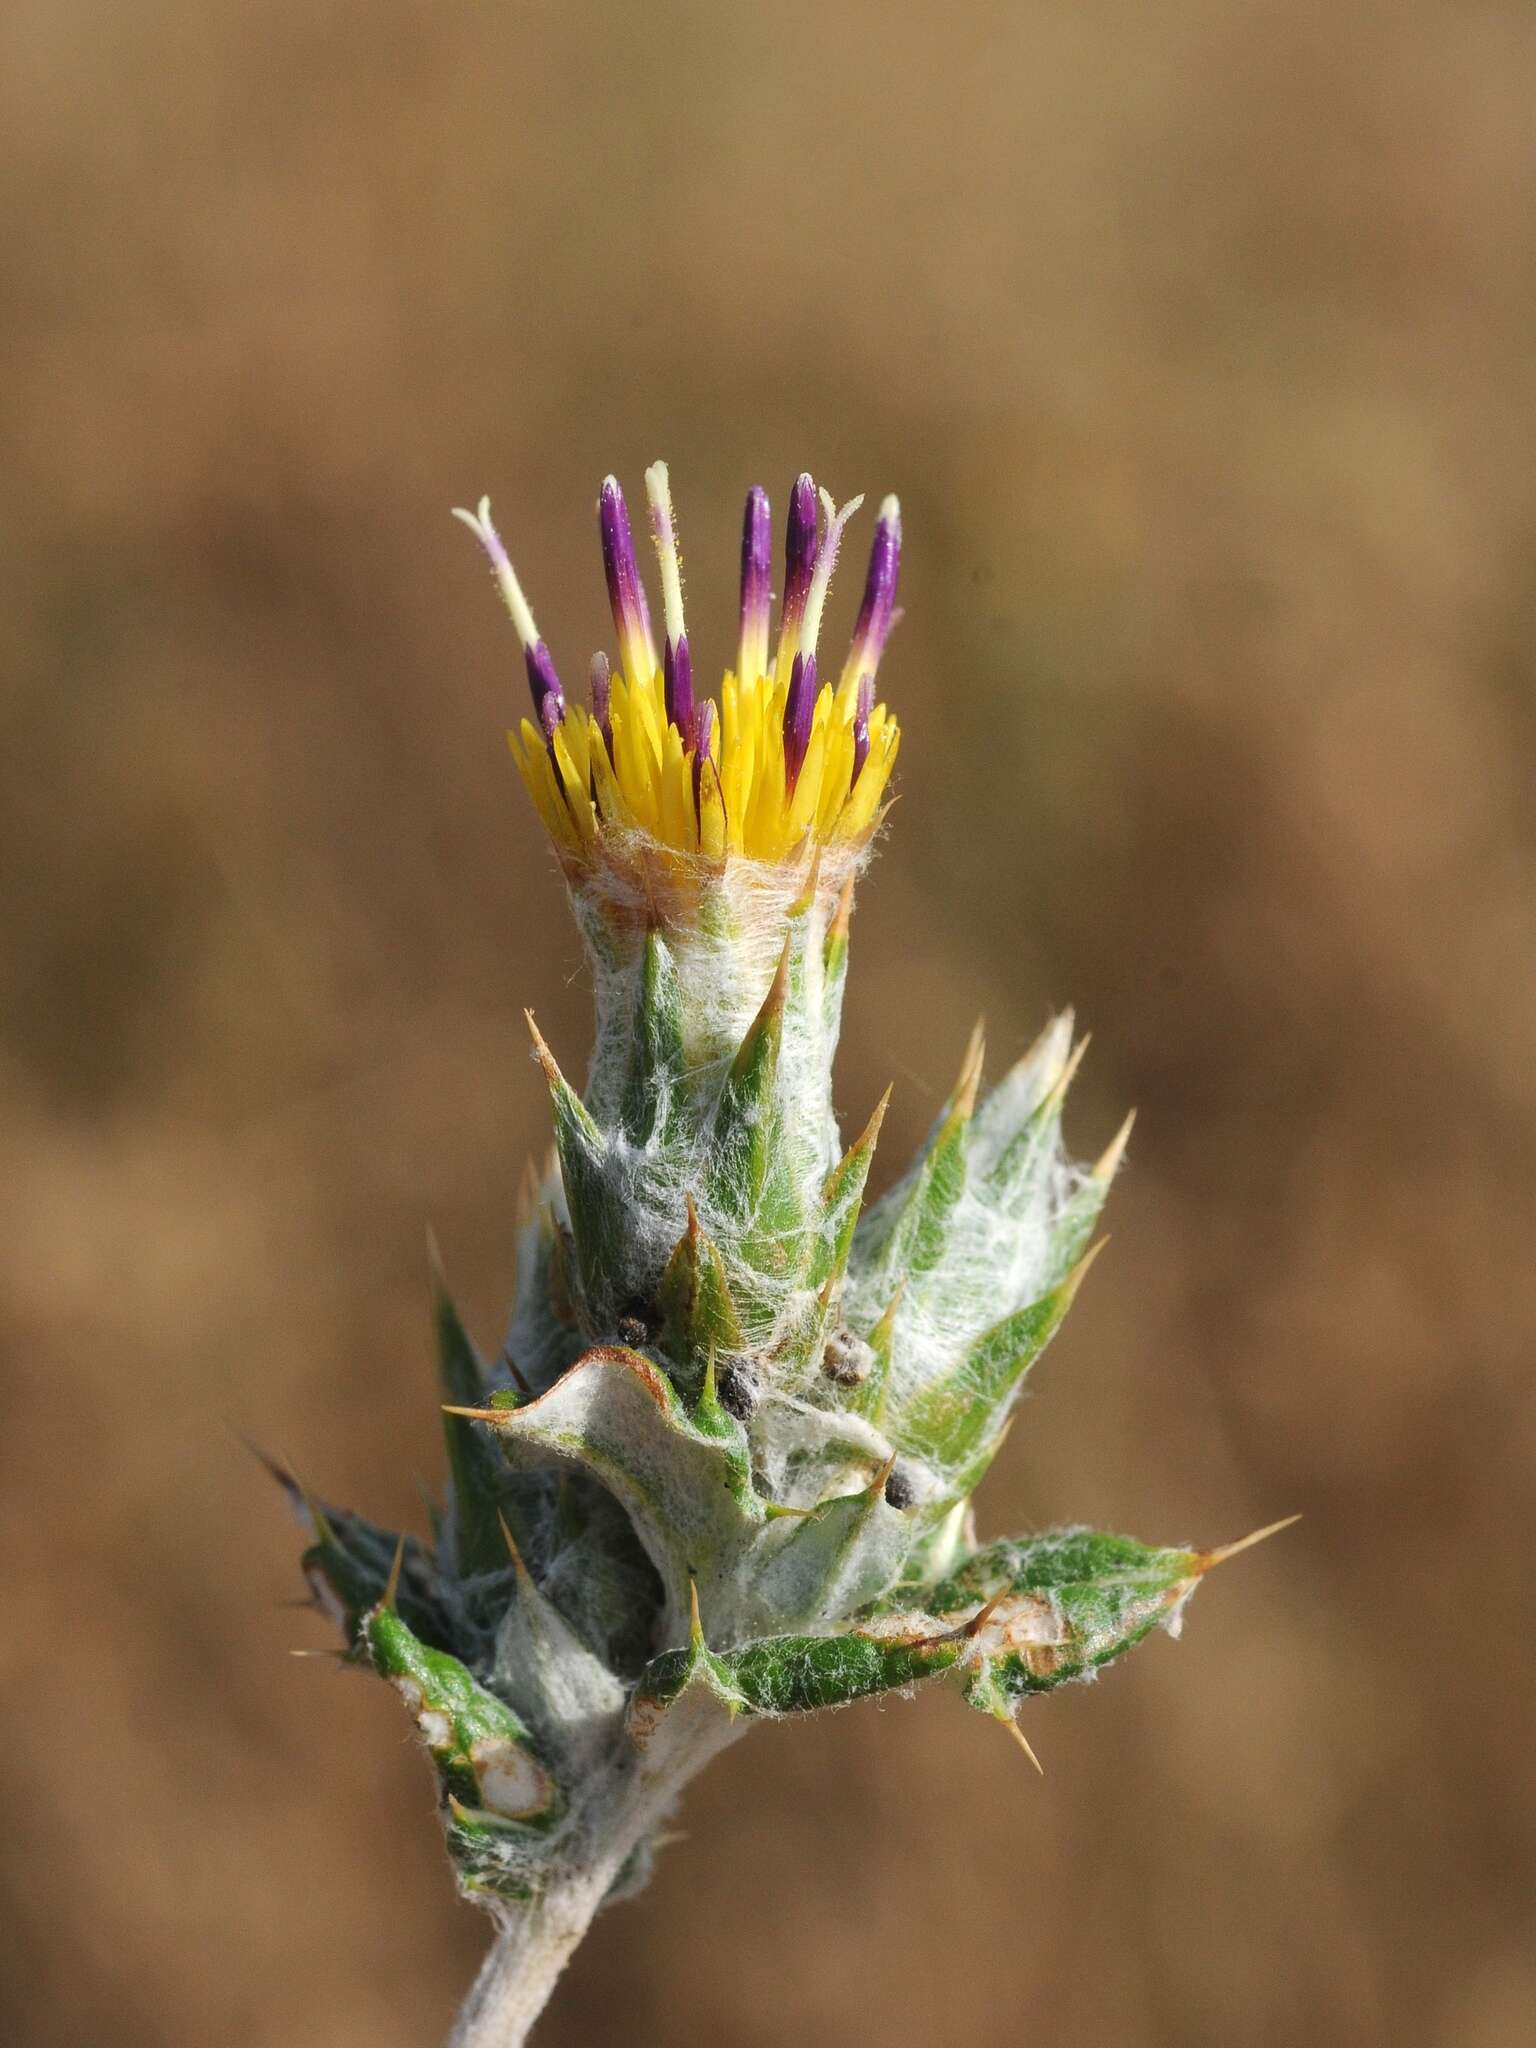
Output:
[[773, 772], [877, 611], [862, 709], [705, 728], [799, 568], [826, 562], [548, 697], [601, 683], [704, 744], [658, 490], [479, 524], [756, 586], [626, 592], [677, 671], [799, 710], [542, 678]]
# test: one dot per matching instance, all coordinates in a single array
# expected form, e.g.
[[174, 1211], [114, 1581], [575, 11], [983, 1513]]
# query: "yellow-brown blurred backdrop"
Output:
[[1197, 341]]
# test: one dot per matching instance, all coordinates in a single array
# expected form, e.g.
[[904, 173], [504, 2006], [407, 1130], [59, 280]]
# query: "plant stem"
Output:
[[623, 1805], [531, 1948]]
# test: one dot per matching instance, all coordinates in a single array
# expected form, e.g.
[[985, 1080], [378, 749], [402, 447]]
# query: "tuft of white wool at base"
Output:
[[804, 1455], [725, 926]]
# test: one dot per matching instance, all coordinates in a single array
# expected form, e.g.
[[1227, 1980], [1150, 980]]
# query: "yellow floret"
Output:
[[586, 787]]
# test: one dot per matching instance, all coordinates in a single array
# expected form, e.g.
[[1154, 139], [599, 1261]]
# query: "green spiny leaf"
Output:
[[545, 1336], [550, 1677], [484, 1758], [479, 1843], [477, 1471], [698, 1315], [746, 1119], [1005, 1110], [654, 1102], [618, 1417], [793, 1675], [349, 1563], [908, 1232], [709, 1415], [840, 1557], [597, 1218], [950, 1418], [940, 1533], [797, 1674], [597, 1573], [1082, 1209], [1013, 1178], [753, 1172], [870, 1396], [842, 1196], [685, 1699], [834, 962], [1055, 1608]]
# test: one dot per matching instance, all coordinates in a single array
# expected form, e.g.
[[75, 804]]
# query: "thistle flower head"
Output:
[[783, 767], [722, 1468]]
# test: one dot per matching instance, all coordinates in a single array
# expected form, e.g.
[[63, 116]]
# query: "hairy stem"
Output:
[[531, 1948], [624, 1803]]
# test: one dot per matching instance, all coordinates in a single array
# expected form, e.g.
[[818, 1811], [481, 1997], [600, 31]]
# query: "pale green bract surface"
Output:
[[722, 1468]]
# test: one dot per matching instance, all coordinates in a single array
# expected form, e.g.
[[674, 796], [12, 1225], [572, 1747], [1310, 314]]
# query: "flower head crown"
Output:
[[783, 763]]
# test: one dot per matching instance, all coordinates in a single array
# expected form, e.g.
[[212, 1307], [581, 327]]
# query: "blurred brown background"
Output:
[[1197, 342]]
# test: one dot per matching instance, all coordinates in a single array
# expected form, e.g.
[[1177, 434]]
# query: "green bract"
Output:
[[723, 1469]]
